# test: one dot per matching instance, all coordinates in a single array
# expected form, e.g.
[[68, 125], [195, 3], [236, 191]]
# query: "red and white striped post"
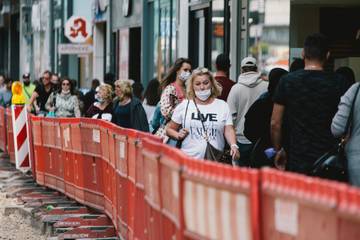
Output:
[[21, 137], [20, 128]]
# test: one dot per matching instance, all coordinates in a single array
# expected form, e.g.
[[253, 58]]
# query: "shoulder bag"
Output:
[[333, 164], [211, 152]]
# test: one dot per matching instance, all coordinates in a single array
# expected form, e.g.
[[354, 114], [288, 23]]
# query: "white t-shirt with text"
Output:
[[216, 115]]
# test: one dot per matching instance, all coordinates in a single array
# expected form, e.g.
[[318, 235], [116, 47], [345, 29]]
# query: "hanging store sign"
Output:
[[78, 29], [68, 49]]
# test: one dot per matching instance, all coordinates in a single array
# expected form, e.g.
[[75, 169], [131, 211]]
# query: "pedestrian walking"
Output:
[[242, 95], [89, 97], [203, 118], [55, 81], [338, 128], [64, 103], [151, 99], [2, 80], [102, 108], [348, 74], [28, 87], [173, 93], [5, 93], [40, 95], [308, 100], [222, 65], [128, 111], [258, 119]]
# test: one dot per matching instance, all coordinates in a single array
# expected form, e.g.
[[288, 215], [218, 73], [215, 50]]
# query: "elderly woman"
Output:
[[102, 107], [203, 118], [64, 103], [128, 111]]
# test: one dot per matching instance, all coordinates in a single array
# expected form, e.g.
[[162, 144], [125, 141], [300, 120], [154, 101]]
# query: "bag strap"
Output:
[[187, 106], [348, 123], [202, 121]]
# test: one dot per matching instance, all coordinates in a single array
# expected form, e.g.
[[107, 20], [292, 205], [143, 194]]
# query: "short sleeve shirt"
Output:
[[216, 116], [310, 99], [43, 96]]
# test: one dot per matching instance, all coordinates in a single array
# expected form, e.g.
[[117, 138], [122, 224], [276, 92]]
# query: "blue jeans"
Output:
[[245, 153]]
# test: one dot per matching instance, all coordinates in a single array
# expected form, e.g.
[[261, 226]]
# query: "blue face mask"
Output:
[[203, 95], [99, 99], [184, 76]]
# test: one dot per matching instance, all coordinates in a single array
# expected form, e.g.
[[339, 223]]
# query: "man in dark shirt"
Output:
[[89, 97], [222, 75], [41, 94], [308, 99]]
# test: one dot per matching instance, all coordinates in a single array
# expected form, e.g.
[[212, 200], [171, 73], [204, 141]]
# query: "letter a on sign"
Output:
[[78, 29]]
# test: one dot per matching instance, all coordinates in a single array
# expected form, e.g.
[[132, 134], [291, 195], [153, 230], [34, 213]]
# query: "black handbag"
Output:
[[211, 152], [333, 164]]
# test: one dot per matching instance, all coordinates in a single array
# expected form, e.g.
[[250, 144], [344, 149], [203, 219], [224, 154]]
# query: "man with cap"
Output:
[[242, 95], [222, 75], [28, 87]]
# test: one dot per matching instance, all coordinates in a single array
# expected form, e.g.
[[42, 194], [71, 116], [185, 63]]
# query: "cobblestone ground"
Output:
[[15, 226]]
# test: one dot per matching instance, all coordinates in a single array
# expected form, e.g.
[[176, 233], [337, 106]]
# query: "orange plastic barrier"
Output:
[[10, 136], [90, 139], [153, 191], [2, 129], [300, 207], [220, 202]]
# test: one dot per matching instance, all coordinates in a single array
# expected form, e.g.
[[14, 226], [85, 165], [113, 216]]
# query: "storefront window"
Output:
[[165, 34], [220, 35], [218, 30], [269, 33]]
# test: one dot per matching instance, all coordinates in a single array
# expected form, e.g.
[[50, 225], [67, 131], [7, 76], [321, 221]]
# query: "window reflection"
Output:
[[269, 33], [218, 30]]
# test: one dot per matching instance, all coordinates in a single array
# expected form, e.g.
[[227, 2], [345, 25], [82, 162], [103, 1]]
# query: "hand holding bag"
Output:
[[211, 152], [333, 164]]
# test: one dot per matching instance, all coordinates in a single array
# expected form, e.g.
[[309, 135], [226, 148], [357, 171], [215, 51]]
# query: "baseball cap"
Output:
[[248, 62], [26, 75]]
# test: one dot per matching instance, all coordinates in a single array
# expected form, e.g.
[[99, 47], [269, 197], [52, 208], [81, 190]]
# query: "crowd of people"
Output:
[[300, 114]]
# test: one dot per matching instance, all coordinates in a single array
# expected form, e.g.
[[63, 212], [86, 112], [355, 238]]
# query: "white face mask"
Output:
[[65, 91], [184, 76], [203, 95]]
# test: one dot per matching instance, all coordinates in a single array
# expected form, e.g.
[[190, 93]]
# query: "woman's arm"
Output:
[[167, 101], [32, 101], [77, 107], [49, 103], [341, 117], [172, 130], [230, 137]]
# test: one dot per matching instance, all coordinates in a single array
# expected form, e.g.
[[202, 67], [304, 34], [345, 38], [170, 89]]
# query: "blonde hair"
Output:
[[201, 71], [108, 91], [125, 87]]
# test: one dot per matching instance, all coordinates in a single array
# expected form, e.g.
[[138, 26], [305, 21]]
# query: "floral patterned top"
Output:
[[66, 105], [171, 96]]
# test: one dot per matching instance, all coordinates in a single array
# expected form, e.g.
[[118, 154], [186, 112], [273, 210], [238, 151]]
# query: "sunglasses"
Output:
[[65, 84], [201, 70]]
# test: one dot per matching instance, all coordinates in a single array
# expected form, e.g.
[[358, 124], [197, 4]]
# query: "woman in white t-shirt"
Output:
[[202, 91]]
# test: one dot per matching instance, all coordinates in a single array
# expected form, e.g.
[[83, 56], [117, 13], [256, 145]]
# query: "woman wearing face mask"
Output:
[[102, 107], [63, 102], [128, 111], [217, 125], [173, 91]]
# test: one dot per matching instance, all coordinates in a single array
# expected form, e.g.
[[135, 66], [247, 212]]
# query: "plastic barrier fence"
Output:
[[153, 191], [3, 131]]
